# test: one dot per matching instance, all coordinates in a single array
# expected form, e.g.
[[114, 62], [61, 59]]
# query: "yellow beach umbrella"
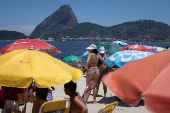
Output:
[[18, 68]]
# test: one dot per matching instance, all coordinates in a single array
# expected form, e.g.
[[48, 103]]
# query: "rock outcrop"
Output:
[[62, 19]]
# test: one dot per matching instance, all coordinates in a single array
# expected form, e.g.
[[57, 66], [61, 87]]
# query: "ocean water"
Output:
[[79, 47]]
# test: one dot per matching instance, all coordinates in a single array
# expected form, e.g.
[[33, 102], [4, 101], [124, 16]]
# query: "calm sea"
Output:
[[79, 47]]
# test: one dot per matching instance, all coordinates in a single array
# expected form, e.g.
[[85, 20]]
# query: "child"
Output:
[[78, 105]]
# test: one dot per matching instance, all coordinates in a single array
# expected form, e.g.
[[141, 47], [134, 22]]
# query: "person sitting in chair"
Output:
[[78, 105], [41, 94]]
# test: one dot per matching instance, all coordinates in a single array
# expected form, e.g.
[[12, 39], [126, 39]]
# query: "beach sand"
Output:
[[101, 101]]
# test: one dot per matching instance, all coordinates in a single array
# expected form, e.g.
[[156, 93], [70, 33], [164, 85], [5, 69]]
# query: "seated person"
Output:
[[78, 105], [83, 65], [71, 64], [78, 63], [41, 94]]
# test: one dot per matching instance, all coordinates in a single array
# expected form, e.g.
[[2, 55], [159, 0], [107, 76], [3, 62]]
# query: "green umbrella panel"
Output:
[[109, 47], [72, 58]]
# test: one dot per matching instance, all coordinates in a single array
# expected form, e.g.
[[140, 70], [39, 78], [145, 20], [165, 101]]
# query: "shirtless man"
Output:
[[78, 105]]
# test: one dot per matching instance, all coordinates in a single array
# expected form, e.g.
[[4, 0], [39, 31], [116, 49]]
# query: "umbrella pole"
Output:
[[26, 96]]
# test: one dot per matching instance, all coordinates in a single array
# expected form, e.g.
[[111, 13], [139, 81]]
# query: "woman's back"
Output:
[[93, 60]]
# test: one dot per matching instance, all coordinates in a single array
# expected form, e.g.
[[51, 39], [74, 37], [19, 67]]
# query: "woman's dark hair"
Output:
[[42, 93], [71, 86], [95, 51]]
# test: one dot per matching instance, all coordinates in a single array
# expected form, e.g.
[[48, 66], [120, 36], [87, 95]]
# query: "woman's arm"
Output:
[[86, 65], [101, 59], [101, 62]]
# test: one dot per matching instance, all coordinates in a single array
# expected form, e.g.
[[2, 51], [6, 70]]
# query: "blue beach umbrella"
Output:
[[123, 44], [85, 58], [85, 54], [122, 57]]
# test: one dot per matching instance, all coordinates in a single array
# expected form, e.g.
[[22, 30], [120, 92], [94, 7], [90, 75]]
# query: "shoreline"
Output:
[[89, 41]]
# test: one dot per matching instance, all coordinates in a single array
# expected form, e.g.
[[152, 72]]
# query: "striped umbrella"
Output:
[[122, 57]]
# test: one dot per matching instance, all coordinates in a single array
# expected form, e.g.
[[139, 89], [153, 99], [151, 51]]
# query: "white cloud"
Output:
[[23, 29]]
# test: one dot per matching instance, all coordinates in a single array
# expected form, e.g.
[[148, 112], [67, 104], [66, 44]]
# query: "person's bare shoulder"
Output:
[[90, 54], [80, 104], [81, 99]]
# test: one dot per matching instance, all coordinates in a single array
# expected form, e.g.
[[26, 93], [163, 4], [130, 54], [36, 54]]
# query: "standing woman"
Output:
[[94, 60], [104, 69]]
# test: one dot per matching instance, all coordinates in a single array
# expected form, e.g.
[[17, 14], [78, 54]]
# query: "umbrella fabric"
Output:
[[157, 93], [123, 57], [85, 54], [72, 58], [123, 44], [148, 76], [135, 47], [152, 49], [26, 43], [85, 58], [20, 67], [109, 47], [51, 50], [159, 49]]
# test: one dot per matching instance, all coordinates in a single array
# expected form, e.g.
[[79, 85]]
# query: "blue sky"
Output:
[[25, 15]]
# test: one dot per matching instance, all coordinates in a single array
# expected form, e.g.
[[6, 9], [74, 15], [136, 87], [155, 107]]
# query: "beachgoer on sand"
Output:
[[78, 105], [78, 64], [104, 69], [41, 94], [71, 64], [93, 62], [83, 66]]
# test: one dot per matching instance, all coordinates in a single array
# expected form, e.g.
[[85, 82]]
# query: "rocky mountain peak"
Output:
[[62, 19]]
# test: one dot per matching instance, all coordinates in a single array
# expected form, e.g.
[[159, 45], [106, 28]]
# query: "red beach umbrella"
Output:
[[26, 43], [135, 47], [149, 77]]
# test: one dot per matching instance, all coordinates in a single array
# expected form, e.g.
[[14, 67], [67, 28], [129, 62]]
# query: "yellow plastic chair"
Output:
[[58, 106], [108, 108]]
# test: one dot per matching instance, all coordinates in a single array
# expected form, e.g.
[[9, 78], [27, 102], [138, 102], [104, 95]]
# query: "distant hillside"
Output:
[[11, 35], [84, 30], [137, 30], [142, 29]]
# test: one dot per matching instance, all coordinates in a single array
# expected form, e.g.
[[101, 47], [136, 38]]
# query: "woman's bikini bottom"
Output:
[[94, 69]]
